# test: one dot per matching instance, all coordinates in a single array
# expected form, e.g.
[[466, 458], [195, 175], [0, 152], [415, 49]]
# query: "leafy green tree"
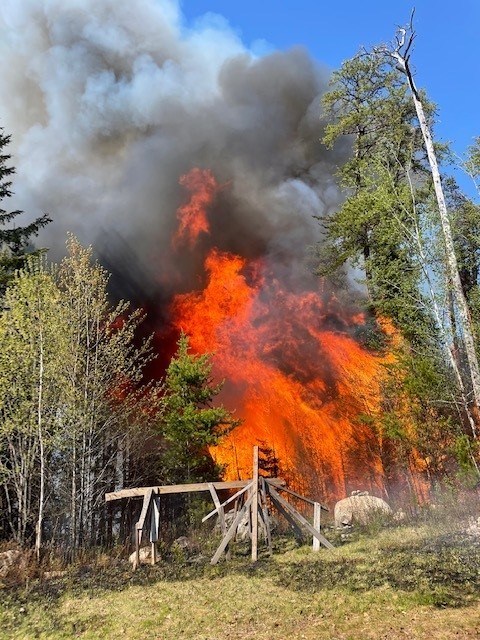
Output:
[[108, 405], [34, 336], [473, 161], [14, 240], [375, 226], [393, 227], [190, 423], [399, 54], [75, 413]]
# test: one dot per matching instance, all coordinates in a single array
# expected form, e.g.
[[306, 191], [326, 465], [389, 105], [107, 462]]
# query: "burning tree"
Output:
[[394, 224]]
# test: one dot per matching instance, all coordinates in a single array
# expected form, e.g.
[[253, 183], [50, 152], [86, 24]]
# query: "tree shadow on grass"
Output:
[[443, 571]]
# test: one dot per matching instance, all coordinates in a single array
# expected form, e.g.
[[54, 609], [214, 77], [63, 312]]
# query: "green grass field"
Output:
[[406, 582]]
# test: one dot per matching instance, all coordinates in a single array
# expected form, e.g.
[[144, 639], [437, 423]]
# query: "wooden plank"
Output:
[[255, 505], [266, 517], [146, 503], [317, 511], [300, 497], [155, 519], [218, 507], [139, 492], [224, 504], [298, 516], [231, 532], [221, 513], [297, 532]]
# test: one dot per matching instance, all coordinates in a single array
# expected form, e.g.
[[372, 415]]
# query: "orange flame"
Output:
[[294, 372], [193, 215]]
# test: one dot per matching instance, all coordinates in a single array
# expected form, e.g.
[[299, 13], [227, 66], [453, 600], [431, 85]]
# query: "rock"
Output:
[[145, 555], [359, 508], [243, 528], [473, 527], [8, 559], [182, 543]]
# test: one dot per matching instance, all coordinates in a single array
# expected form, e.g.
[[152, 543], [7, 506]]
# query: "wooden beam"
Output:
[[265, 515], [303, 521], [146, 503], [221, 514], [154, 526], [297, 532], [317, 511], [231, 532], [224, 504], [255, 505], [140, 524], [139, 492], [300, 497]]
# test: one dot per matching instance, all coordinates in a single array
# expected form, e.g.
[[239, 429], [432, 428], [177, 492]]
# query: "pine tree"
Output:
[[378, 226], [190, 423], [13, 240]]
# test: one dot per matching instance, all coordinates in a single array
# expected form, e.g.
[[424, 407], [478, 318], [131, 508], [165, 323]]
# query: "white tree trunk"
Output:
[[457, 290], [41, 500]]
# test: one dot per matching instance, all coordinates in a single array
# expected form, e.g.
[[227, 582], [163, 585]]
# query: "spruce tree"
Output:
[[190, 422], [14, 240]]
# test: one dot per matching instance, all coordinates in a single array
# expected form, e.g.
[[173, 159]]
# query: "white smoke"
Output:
[[110, 101]]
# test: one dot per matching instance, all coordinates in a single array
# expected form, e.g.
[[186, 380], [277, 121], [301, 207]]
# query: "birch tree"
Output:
[[107, 403], [34, 334], [400, 53]]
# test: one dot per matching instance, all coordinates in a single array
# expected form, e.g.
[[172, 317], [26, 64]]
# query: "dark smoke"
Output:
[[110, 102]]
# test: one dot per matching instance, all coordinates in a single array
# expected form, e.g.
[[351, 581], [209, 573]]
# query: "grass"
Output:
[[407, 582]]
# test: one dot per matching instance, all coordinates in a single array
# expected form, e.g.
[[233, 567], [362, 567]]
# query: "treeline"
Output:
[[78, 415], [415, 236], [77, 418]]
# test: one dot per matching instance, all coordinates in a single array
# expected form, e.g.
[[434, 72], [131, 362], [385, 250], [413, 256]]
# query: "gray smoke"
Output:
[[111, 101]]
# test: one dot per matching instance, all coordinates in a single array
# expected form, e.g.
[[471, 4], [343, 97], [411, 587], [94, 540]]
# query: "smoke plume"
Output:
[[110, 102]]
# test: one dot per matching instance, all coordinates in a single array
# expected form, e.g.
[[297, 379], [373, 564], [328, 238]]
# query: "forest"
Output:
[[84, 410]]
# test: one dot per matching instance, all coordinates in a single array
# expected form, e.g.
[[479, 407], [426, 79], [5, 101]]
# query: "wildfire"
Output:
[[192, 216], [295, 372]]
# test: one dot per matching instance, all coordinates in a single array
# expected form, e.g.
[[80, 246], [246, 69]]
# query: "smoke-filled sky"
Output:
[[111, 101], [445, 55]]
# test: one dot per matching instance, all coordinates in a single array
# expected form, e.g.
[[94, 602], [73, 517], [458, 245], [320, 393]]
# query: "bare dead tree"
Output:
[[400, 51]]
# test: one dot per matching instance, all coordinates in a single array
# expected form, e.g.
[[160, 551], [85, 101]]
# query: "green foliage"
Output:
[[71, 396], [13, 239], [377, 225], [419, 418], [473, 159], [34, 334], [190, 423]]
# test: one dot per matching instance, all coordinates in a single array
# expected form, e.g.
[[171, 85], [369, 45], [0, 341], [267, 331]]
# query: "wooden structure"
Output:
[[251, 502]]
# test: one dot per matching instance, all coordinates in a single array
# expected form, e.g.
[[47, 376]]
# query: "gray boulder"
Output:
[[359, 508], [145, 555]]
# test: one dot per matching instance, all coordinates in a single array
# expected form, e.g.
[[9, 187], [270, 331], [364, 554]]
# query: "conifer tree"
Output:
[[13, 239], [190, 423]]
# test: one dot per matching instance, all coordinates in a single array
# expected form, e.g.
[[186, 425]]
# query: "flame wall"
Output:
[[295, 372], [109, 104]]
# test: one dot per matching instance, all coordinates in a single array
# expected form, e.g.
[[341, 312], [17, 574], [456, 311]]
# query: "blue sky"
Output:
[[446, 55]]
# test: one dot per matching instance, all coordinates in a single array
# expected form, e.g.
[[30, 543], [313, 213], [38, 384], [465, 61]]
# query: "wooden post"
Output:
[[232, 531], [221, 515], [154, 527], [317, 510], [141, 523], [279, 501], [254, 507], [266, 516]]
